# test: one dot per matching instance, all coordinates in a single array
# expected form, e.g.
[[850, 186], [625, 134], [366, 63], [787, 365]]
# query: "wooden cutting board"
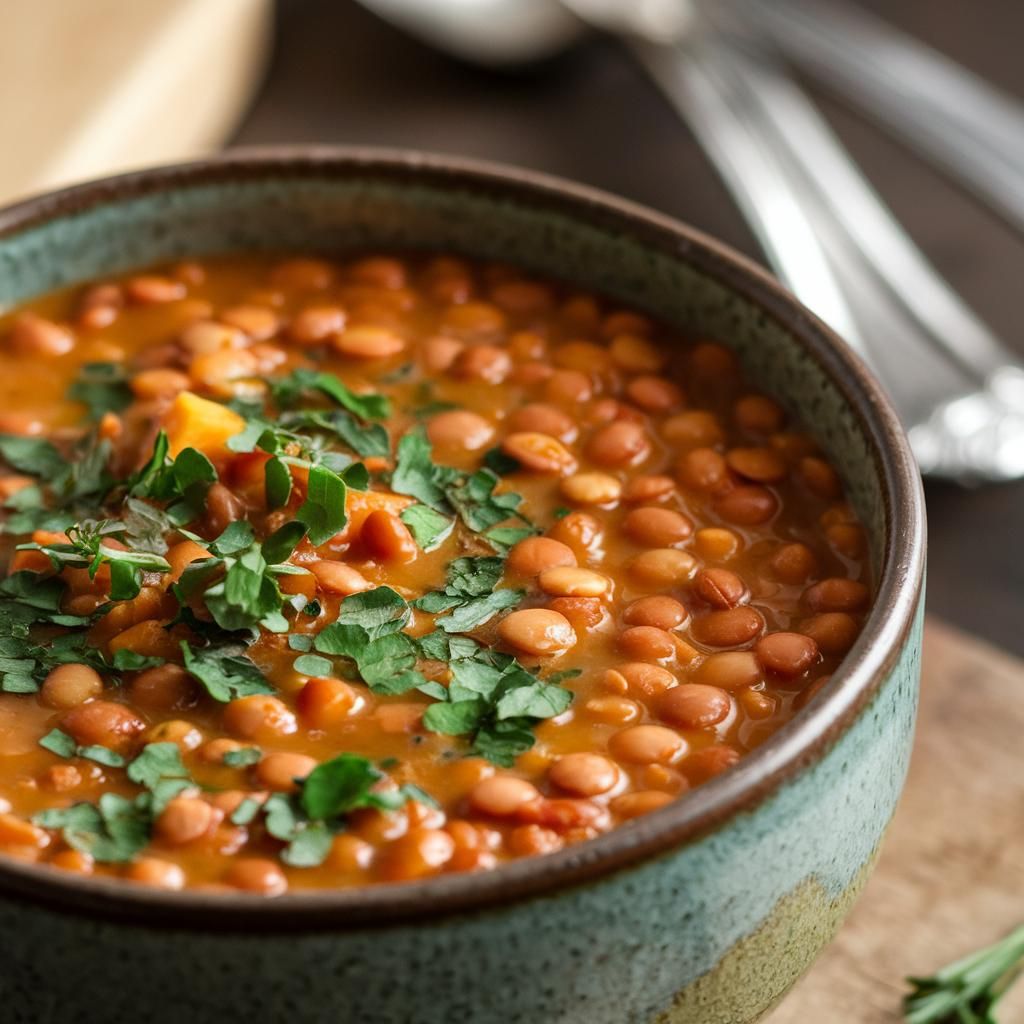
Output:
[[96, 86], [951, 875]]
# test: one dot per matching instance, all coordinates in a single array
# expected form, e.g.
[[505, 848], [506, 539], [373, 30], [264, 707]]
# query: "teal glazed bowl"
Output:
[[704, 912]]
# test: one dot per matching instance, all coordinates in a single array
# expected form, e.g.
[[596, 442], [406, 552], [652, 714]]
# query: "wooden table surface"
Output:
[[339, 75], [949, 878]]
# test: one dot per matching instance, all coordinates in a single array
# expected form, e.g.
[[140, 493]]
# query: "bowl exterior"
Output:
[[711, 930], [712, 933]]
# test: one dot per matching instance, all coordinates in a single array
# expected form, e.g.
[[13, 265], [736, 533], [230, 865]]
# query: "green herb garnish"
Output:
[[85, 550], [967, 991], [63, 745], [307, 821], [224, 672], [102, 388], [117, 828]]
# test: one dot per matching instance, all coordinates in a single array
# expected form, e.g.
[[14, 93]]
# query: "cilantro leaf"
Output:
[[368, 630], [477, 504], [183, 480], [537, 700], [441, 646], [113, 831], [281, 544], [338, 786], [101, 755], [378, 611], [456, 718], [146, 526], [63, 745], [236, 537], [470, 594], [502, 742], [494, 701], [309, 847], [85, 549], [156, 762]]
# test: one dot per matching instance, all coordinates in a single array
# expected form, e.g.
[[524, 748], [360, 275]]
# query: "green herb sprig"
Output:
[[85, 549], [967, 991]]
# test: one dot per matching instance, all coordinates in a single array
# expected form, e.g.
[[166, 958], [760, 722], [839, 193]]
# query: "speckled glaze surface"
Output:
[[703, 913]]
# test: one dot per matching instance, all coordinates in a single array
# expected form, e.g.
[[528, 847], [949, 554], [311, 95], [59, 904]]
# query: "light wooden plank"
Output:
[[951, 874]]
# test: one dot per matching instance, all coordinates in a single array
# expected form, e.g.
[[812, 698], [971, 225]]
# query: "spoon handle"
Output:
[[955, 118], [834, 242]]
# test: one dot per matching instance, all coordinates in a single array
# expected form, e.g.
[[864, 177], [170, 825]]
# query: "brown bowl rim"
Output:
[[760, 773]]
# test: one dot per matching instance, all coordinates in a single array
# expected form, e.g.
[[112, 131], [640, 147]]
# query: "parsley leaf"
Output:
[[63, 745], [323, 511], [101, 387], [430, 529], [308, 820], [225, 672], [416, 474], [243, 757], [288, 392], [32, 455]]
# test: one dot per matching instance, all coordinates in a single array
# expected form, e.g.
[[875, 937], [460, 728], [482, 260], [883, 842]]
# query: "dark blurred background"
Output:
[[339, 75]]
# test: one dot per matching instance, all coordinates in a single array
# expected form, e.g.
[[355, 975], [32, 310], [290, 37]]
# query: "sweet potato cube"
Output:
[[194, 422]]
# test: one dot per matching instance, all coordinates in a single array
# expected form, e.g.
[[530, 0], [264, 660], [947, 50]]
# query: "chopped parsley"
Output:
[[494, 701], [225, 672], [63, 745], [101, 388], [469, 594], [308, 820], [117, 828], [450, 492]]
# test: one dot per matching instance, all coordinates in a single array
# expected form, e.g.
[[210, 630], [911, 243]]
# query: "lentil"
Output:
[[703, 584]]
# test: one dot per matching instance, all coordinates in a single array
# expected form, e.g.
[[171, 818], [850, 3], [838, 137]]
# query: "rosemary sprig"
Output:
[[967, 991]]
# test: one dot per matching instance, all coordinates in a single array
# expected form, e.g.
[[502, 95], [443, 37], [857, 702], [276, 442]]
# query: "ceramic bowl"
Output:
[[704, 912]]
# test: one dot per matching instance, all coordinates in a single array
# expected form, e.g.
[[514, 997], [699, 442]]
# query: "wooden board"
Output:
[[951, 874], [96, 86]]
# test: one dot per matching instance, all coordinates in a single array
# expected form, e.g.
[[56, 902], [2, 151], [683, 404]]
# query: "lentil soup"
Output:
[[322, 574]]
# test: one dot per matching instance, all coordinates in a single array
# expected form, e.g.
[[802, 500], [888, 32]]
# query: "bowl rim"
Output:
[[759, 774]]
